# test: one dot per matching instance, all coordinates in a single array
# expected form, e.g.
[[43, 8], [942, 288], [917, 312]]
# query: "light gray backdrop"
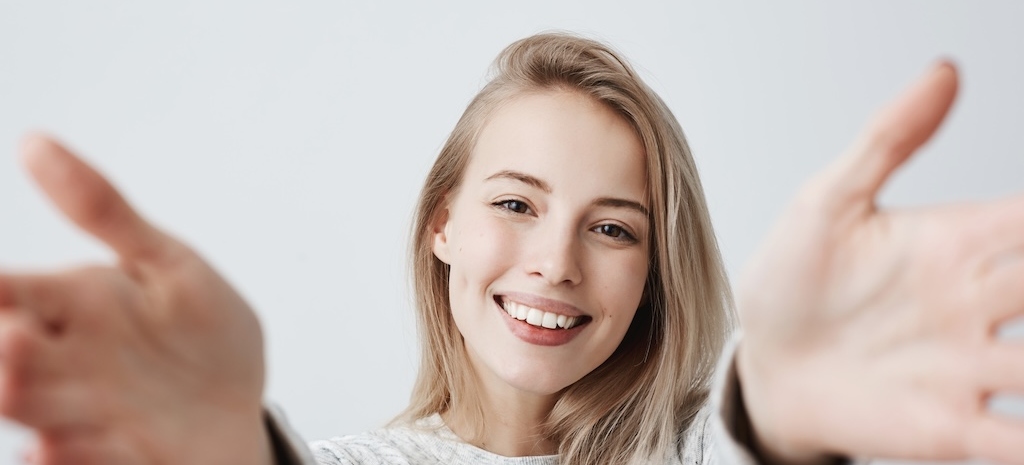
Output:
[[287, 141]]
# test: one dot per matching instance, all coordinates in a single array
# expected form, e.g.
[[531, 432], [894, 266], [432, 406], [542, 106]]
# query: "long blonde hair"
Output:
[[632, 407]]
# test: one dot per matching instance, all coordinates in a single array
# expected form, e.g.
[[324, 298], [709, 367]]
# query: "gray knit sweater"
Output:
[[716, 436], [431, 442]]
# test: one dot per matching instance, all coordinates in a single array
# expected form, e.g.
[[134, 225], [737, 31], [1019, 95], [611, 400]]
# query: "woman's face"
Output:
[[547, 239]]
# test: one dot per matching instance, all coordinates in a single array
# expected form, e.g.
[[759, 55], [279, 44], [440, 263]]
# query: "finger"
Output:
[[891, 137], [22, 343], [7, 298], [1002, 368], [56, 406], [1001, 291], [41, 296], [56, 299], [23, 352], [997, 439], [997, 228], [35, 387], [87, 446], [90, 201]]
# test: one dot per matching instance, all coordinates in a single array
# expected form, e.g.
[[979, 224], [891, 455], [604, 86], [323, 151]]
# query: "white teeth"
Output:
[[550, 321], [540, 318]]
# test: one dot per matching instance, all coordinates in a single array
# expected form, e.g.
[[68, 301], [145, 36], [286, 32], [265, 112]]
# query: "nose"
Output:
[[555, 257]]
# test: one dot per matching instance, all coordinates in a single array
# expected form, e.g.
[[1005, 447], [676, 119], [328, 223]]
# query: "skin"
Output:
[[901, 316], [525, 224], [892, 311], [124, 364]]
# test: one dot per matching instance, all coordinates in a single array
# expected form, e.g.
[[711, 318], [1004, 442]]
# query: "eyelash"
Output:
[[623, 236], [618, 233], [505, 204]]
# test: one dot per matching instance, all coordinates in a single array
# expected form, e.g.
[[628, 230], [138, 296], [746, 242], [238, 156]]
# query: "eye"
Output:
[[513, 205], [616, 232]]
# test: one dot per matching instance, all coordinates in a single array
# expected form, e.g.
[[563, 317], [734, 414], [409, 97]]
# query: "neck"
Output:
[[513, 422]]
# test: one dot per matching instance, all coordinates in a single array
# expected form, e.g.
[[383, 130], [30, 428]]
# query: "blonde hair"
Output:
[[632, 407]]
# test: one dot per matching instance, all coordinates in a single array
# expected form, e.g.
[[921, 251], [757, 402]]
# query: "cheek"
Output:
[[622, 281], [621, 288], [483, 250]]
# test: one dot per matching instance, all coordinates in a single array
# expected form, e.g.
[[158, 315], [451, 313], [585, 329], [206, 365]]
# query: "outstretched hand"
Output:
[[873, 331], [94, 359], [868, 331]]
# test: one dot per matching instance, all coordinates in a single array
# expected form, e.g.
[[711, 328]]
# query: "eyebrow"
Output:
[[521, 177], [622, 203], [539, 184]]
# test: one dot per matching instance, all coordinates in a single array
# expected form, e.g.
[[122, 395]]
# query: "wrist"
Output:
[[767, 420], [215, 437], [249, 440]]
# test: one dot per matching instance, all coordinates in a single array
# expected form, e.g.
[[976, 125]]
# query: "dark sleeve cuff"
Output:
[[288, 447]]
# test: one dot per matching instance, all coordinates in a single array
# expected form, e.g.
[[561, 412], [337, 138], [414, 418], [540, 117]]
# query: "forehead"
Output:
[[565, 138]]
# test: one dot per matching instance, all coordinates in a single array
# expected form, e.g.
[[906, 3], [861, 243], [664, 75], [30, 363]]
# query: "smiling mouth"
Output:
[[539, 318]]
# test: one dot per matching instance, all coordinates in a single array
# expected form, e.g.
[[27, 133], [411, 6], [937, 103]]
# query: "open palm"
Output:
[[126, 364], [872, 331]]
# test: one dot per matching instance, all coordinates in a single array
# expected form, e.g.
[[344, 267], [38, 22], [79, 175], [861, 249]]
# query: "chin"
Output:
[[536, 379]]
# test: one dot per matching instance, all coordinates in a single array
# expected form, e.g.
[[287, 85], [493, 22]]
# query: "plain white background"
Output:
[[287, 141]]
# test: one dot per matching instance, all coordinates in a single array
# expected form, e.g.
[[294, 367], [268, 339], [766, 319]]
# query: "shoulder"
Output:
[[398, 445], [694, 442]]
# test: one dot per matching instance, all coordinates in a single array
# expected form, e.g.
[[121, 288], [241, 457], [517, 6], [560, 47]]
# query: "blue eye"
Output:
[[514, 206]]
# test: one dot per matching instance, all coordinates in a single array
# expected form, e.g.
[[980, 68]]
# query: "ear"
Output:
[[439, 231]]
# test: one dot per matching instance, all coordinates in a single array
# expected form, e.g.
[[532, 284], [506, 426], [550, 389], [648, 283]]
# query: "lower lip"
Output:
[[537, 335]]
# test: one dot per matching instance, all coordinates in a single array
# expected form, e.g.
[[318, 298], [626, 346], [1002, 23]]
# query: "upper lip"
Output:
[[542, 303]]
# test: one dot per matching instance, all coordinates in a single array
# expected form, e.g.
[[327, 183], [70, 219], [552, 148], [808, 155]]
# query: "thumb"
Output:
[[90, 201], [891, 137]]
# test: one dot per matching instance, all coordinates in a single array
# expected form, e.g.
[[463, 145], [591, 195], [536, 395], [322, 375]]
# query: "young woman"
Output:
[[572, 305]]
